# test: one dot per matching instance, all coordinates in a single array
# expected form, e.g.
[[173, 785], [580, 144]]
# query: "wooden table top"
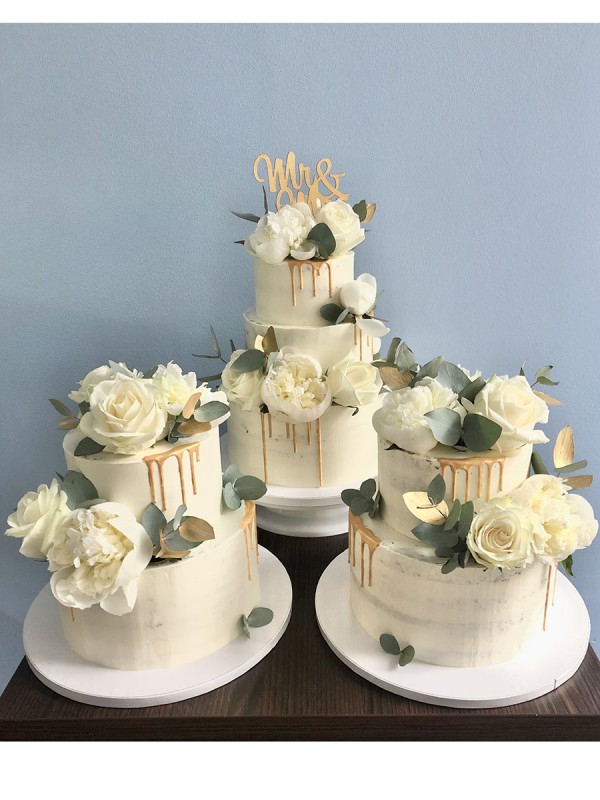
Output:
[[302, 691]]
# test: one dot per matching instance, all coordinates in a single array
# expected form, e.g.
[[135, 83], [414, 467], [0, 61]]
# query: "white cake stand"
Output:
[[551, 659], [61, 669]]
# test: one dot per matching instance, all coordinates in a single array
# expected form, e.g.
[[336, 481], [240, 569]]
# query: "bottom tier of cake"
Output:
[[185, 609], [468, 618]]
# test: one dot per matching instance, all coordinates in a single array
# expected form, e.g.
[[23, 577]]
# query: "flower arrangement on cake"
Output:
[[454, 490]]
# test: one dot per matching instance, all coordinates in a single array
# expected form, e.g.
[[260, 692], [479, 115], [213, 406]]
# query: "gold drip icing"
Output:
[[320, 451], [287, 430], [456, 465], [367, 539], [192, 448], [264, 443], [355, 334], [546, 601], [72, 610], [316, 267], [250, 533], [554, 582], [360, 337], [270, 426], [308, 431], [291, 431], [294, 438]]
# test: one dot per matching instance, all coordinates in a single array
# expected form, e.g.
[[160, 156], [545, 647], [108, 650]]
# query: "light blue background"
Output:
[[123, 147]]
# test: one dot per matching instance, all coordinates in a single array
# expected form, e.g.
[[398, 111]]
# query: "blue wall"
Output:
[[123, 147]]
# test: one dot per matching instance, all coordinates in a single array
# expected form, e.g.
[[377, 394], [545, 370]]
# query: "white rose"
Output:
[[103, 373], [512, 404], [402, 420], [242, 387], [359, 295], [174, 387], [562, 522], [125, 415], [344, 223], [354, 383], [97, 556], [501, 535], [279, 233], [37, 517], [295, 389]]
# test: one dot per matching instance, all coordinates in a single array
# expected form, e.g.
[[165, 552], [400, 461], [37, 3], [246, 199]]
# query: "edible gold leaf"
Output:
[[193, 529], [192, 426], [166, 552], [419, 504], [190, 406], [269, 343], [371, 208], [579, 481], [68, 424], [564, 449], [550, 401], [394, 379]]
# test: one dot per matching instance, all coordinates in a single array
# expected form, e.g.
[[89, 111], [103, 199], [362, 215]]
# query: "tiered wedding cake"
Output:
[[149, 571], [303, 394], [453, 556]]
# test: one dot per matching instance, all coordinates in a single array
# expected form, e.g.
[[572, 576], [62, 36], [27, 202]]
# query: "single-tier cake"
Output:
[[453, 554], [303, 393], [149, 569]]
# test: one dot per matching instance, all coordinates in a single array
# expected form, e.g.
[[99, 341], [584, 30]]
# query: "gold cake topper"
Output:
[[295, 183]]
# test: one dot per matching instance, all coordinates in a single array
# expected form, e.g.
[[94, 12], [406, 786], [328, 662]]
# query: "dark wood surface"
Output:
[[302, 691]]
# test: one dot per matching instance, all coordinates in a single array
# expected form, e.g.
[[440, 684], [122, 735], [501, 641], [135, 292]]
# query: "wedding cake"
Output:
[[453, 552], [303, 392], [149, 569]]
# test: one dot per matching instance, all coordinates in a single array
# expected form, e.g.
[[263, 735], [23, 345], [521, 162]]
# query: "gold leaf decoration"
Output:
[[420, 505], [564, 449], [68, 424], [579, 481], [394, 379], [269, 342], [192, 426], [190, 406], [166, 552], [193, 529], [550, 401]]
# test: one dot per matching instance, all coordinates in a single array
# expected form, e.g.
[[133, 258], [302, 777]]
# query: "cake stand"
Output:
[[302, 512], [550, 660], [62, 670]]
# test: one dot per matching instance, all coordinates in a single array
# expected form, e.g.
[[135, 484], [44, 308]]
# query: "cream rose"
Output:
[[242, 388], [354, 383], [359, 295], [126, 415], [97, 556], [294, 389], [37, 518], [344, 224], [279, 233], [501, 535], [562, 522], [512, 404], [174, 387], [402, 420]]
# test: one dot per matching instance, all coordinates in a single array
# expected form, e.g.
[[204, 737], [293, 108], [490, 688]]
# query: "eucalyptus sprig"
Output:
[[217, 354], [177, 537], [238, 487], [542, 376], [257, 618], [364, 500], [390, 645]]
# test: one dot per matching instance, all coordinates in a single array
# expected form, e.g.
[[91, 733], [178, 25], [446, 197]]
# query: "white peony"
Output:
[[562, 522], [501, 535], [402, 420], [359, 295], [294, 389], [344, 223], [37, 517], [242, 388], [281, 233], [174, 387], [97, 556], [512, 404], [125, 415], [354, 383]]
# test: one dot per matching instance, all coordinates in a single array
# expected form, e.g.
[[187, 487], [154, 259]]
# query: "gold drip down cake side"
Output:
[[186, 608], [339, 448], [469, 617]]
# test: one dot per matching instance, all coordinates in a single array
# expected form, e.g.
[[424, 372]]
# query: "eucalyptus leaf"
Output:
[[434, 535], [471, 390], [231, 474], [232, 345], [546, 381], [245, 628], [270, 341], [453, 516], [345, 313], [215, 343], [249, 361], [265, 201], [522, 370], [436, 491], [323, 237], [348, 495], [404, 358], [230, 497], [572, 467], [394, 345], [567, 565], [153, 522], [88, 447], [452, 377], [444, 552], [463, 558], [360, 505], [360, 209], [543, 376], [62, 409], [375, 507], [150, 372], [78, 489], [445, 424], [247, 217], [450, 565], [179, 516], [537, 465], [208, 412], [390, 644], [406, 655], [249, 488], [84, 407], [177, 543], [467, 512], [480, 433], [331, 312], [430, 369], [368, 488], [259, 617]]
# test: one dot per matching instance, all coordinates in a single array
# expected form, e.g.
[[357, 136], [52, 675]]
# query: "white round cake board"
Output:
[[61, 669], [551, 659], [303, 512]]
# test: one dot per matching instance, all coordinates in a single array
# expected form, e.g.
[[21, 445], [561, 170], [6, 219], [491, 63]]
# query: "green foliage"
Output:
[[452, 377], [364, 500], [62, 409], [406, 655], [450, 565], [390, 644], [230, 497], [467, 512], [78, 489], [435, 535], [331, 312], [567, 565], [543, 376], [88, 447], [153, 522], [480, 433], [247, 217], [360, 209], [238, 487], [231, 474], [249, 361], [257, 618], [537, 465], [210, 411], [436, 491], [471, 390], [150, 372], [453, 516], [430, 369], [323, 238], [572, 467], [445, 425]]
